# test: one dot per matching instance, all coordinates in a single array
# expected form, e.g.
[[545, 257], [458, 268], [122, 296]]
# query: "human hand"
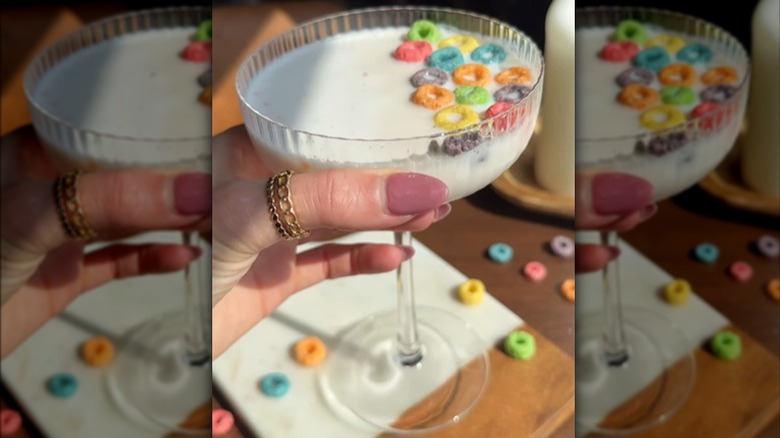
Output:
[[44, 269], [254, 270]]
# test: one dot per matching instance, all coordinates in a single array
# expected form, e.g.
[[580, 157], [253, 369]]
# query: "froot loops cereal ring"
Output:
[[668, 143], [661, 117], [464, 114], [10, 422], [677, 292], [471, 95], [520, 345], [568, 290], [562, 246], [717, 93], [670, 43], [97, 351], [433, 76], [424, 30], [221, 422], [62, 385], [638, 96], [489, 53], [630, 30], [535, 271], [773, 289], [719, 75], [678, 95], [471, 292], [432, 96], [197, 51], [205, 96], [458, 144], [466, 44], [706, 121], [635, 75], [726, 345], [471, 74], [653, 59], [447, 59], [741, 271], [275, 385], [204, 31], [677, 74], [695, 54], [413, 51], [310, 351], [619, 51], [511, 93], [500, 252], [506, 121], [706, 252], [514, 76], [768, 246]]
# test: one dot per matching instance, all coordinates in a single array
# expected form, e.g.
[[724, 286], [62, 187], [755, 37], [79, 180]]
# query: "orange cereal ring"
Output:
[[677, 74], [773, 289], [567, 289], [205, 96], [638, 96], [310, 351], [432, 96], [97, 351], [471, 74], [719, 76], [514, 76]]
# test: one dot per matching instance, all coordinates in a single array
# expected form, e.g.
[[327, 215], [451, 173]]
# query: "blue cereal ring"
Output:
[[706, 252], [275, 385], [62, 385], [652, 58], [500, 252], [447, 59], [489, 53], [695, 53]]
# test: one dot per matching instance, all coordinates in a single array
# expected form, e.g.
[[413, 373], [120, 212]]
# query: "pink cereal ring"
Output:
[[413, 51], [619, 51], [10, 422], [221, 422], [741, 271], [535, 271]]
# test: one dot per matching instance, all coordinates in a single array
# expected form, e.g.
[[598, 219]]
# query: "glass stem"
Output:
[[409, 351], [614, 338], [197, 311]]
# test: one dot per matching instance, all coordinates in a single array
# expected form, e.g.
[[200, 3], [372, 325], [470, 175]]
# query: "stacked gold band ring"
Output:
[[281, 208], [66, 199]]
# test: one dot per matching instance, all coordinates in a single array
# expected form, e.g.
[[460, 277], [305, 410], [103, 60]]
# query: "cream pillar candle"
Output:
[[761, 147], [554, 149]]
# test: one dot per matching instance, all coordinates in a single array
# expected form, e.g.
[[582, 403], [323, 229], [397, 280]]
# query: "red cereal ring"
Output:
[[638, 96], [221, 422], [741, 271], [10, 422], [619, 51], [506, 121], [471, 74], [197, 51], [535, 271], [708, 117], [432, 96], [677, 74], [413, 51]]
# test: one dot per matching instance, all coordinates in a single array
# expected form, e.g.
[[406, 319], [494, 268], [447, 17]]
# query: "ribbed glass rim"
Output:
[[631, 12], [246, 65], [113, 22]]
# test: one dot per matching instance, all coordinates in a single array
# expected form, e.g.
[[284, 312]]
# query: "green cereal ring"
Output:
[[204, 31], [424, 30], [630, 30], [520, 345], [726, 345], [471, 95], [678, 95]]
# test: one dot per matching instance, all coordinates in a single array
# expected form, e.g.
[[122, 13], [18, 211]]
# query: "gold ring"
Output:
[[280, 205], [66, 198]]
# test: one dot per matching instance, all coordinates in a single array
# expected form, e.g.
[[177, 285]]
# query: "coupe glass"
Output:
[[390, 361], [163, 369], [623, 349]]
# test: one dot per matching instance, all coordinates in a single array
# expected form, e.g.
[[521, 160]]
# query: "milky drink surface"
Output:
[[349, 86]]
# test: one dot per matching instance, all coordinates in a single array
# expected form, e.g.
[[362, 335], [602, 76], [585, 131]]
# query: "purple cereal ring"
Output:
[[635, 75], [205, 78], [717, 93], [434, 76], [768, 246], [458, 144], [667, 143], [562, 246], [511, 93]]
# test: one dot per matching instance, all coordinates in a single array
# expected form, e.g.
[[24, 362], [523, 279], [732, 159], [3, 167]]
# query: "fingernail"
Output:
[[649, 211], [441, 212], [619, 193], [414, 193], [195, 252], [192, 193], [614, 252], [408, 252]]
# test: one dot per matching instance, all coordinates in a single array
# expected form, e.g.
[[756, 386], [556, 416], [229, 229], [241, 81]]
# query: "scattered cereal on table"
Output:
[[520, 345], [310, 351], [726, 345], [275, 385], [471, 292], [221, 422]]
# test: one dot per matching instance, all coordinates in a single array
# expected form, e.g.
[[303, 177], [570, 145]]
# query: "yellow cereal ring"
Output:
[[432, 96], [514, 76], [465, 44], [568, 289], [719, 76], [463, 75], [467, 117], [97, 351], [661, 117], [677, 292], [310, 351], [471, 292], [638, 96], [677, 74], [671, 43]]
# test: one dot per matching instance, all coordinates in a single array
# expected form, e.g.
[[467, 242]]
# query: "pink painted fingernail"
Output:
[[441, 212], [620, 193], [192, 193], [414, 193], [649, 211], [408, 252]]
